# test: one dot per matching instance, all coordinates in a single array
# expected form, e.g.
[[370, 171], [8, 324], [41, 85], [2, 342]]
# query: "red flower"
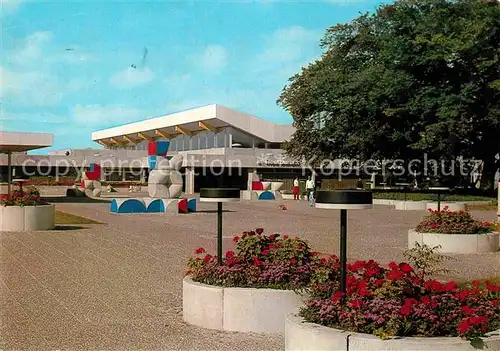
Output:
[[405, 310], [393, 265], [492, 287], [272, 236], [379, 282], [207, 258], [405, 268], [322, 260], [256, 261], [425, 300], [467, 310], [285, 236], [395, 275], [229, 254], [463, 326], [337, 296], [199, 250], [450, 286], [356, 303], [293, 261], [259, 230], [236, 238], [271, 247], [434, 285], [265, 252]]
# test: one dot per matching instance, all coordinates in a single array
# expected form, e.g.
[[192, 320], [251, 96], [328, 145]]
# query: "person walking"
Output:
[[296, 189], [310, 191]]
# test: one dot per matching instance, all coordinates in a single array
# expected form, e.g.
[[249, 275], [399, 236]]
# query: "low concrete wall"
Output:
[[27, 218], [237, 309], [410, 205], [456, 243], [301, 336], [452, 206], [386, 202]]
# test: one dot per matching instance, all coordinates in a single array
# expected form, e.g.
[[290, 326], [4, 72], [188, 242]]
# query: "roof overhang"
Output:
[[213, 118], [21, 142]]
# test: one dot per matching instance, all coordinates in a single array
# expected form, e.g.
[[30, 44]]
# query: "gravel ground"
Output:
[[118, 285]]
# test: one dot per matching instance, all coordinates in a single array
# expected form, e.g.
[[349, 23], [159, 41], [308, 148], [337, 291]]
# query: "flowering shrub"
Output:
[[452, 222], [397, 302], [272, 261], [29, 197]]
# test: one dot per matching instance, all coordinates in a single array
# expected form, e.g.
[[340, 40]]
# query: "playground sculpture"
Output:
[[164, 186]]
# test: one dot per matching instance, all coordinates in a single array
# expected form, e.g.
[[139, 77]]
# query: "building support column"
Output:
[[189, 174], [9, 175]]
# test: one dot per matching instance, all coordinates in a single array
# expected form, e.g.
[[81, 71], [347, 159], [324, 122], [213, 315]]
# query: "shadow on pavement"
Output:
[[74, 200], [70, 227]]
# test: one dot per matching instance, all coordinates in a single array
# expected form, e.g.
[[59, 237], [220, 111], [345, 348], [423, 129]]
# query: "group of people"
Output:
[[309, 190]]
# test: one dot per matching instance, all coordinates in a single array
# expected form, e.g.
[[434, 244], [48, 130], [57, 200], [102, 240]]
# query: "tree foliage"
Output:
[[415, 77]]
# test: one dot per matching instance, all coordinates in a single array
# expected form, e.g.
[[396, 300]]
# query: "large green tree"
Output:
[[415, 77]]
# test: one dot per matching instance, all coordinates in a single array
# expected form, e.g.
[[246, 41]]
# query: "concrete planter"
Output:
[[290, 197], [410, 205], [301, 336], [452, 206], [456, 243], [27, 218], [237, 309]]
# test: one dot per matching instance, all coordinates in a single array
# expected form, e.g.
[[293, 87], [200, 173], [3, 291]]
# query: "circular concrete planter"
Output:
[[301, 336], [237, 309], [27, 218], [456, 243], [410, 205]]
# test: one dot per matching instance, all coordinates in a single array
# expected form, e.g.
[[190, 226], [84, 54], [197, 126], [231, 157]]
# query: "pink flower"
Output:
[[293, 261], [199, 250], [229, 254]]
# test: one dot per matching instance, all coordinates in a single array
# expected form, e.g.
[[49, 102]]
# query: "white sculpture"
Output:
[[165, 181]]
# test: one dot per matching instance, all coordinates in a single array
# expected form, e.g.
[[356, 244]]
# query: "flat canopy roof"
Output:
[[20, 142], [190, 122]]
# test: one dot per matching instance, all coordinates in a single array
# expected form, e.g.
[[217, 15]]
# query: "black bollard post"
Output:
[[219, 233], [343, 250]]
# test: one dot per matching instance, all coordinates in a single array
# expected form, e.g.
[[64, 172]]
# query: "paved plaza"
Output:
[[119, 285]]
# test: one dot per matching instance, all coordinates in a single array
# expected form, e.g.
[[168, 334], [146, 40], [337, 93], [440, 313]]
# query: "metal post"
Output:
[[9, 176], [219, 233], [439, 200], [343, 250]]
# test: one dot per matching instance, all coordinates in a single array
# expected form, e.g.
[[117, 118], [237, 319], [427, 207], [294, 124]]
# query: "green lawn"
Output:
[[68, 218]]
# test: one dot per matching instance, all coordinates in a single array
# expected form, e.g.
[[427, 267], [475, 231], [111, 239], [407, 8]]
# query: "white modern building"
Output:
[[220, 147]]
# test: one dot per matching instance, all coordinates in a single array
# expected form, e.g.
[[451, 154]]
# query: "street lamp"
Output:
[[219, 195], [344, 200]]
